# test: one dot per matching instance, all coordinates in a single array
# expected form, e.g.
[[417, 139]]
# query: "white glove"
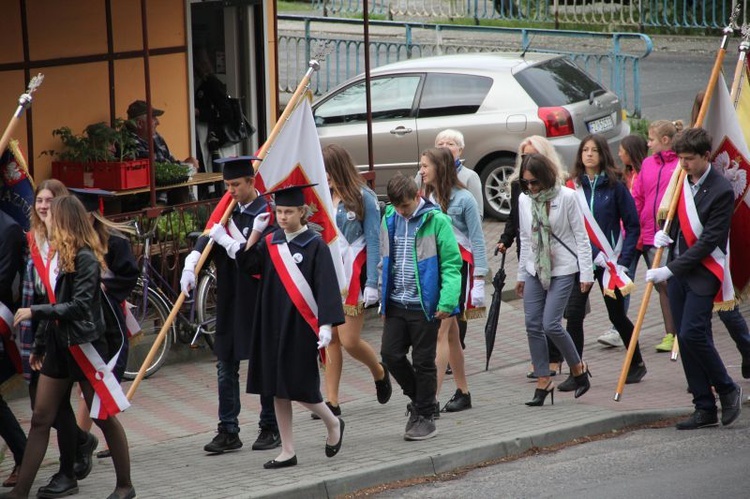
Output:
[[187, 281], [477, 292], [658, 275], [601, 260], [371, 296], [219, 234], [325, 335], [622, 268], [661, 239], [261, 222]]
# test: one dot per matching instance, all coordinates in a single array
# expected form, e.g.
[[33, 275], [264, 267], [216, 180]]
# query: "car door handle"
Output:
[[401, 130]]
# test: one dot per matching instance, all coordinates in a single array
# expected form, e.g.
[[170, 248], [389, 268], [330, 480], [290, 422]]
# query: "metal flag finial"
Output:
[[34, 83], [319, 51], [745, 29], [733, 18]]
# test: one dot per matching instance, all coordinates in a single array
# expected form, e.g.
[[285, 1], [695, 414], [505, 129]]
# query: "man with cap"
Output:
[[236, 297], [138, 114]]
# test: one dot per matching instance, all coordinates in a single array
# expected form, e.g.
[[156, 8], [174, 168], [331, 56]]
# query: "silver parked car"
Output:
[[494, 99]]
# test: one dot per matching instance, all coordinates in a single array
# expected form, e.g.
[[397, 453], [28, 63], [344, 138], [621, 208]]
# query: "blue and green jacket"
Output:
[[435, 258]]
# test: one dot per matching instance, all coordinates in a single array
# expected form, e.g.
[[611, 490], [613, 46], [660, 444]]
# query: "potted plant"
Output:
[[103, 156]]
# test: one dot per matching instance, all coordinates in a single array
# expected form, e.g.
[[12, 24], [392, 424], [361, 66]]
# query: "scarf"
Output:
[[541, 230]]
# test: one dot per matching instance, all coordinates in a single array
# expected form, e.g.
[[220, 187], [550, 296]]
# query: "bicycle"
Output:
[[151, 302]]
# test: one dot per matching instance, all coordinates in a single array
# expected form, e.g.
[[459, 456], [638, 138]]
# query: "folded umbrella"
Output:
[[490, 328]]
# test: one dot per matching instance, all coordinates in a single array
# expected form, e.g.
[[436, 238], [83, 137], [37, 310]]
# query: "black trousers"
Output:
[[406, 329], [576, 312]]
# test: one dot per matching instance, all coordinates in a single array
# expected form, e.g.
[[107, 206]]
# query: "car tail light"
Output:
[[557, 121]]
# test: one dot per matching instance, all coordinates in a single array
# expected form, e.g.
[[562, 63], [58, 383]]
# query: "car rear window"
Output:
[[556, 82], [451, 94]]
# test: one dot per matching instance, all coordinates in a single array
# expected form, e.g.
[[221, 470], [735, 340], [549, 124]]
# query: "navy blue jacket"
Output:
[[613, 204]]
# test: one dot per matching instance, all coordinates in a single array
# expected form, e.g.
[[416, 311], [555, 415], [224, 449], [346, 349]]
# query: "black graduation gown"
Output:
[[284, 353], [236, 292], [119, 281]]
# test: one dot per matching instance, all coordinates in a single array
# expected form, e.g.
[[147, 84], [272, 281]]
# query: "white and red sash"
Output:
[[6, 335], [109, 399], [613, 277], [717, 262], [296, 285], [132, 328], [467, 255], [354, 256]]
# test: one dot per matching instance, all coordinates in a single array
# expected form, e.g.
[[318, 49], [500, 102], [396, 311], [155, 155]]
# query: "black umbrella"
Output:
[[490, 329]]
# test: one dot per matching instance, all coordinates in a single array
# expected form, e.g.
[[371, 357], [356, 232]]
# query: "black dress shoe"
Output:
[[82, 466], [332, 450], [59, 486], [699, 419], [636, 374], [731, 405], [273, 464], [129, 495]]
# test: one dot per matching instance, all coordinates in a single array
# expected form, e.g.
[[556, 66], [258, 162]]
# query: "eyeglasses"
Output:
[[525, 184]]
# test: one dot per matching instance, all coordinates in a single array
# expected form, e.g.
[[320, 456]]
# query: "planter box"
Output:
[[113, 176]]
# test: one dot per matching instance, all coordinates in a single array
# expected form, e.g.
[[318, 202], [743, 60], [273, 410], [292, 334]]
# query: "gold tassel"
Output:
[[354, 311], [473, 313], [724, 306]]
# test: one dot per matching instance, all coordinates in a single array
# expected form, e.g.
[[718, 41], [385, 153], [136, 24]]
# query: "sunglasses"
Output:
[[525, 184]]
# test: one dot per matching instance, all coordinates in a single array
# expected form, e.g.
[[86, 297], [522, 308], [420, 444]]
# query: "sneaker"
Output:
[[422, 429], [267, 440], [568, 385], [666, 343], [611, 339], [413, 416], [223, 442], [699, 419], [335, 409], [383, 387], [459, 402]]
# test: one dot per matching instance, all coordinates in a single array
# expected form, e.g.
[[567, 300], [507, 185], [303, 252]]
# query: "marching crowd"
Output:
[[423, 259]]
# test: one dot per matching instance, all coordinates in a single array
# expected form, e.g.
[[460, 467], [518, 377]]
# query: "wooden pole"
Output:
[[712, 81], [24, 101], [295, 99], [739, 71]]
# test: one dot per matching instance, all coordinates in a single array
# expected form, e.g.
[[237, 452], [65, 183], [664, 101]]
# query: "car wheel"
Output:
[[496, 187]]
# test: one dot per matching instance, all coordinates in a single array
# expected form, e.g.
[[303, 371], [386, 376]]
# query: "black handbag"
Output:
[[233, 126]]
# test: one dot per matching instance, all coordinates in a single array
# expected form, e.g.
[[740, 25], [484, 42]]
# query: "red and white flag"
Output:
[[730, 158], [295, 158]]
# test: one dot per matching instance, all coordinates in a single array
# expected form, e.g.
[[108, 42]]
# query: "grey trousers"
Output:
[[544, 313]]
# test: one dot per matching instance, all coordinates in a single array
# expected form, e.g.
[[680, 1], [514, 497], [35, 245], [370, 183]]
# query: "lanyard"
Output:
[[593, 191]]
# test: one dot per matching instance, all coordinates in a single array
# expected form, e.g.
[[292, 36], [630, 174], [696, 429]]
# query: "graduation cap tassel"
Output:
[[299, 94]]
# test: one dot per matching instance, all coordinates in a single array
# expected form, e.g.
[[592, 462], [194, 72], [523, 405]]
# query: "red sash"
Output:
[[296, 285], [6, 335], [109, 399], [354, 256], [717, 262], [467, 255]]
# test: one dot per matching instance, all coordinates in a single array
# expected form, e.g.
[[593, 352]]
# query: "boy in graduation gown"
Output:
[[236, 297], [299, 303]]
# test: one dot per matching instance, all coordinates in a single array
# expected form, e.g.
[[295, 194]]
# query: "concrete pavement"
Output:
[[174, 416]]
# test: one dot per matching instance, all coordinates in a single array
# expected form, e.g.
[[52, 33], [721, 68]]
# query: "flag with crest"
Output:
[[16, 188]]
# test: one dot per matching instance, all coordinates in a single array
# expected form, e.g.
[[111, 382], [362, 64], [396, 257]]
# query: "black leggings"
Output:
[[49, 397], [576, 312]]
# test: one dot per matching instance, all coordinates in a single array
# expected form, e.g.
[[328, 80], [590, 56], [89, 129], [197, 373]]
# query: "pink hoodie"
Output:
[[649, 188]]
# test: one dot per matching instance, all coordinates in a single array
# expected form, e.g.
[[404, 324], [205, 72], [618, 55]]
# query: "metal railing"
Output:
[[612, 59], [636, 13]]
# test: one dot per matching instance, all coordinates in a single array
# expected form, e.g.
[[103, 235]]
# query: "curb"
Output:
[[461, 457]]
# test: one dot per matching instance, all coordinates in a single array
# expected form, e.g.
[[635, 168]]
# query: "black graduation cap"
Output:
[[90, 197], [291, 195], [238, 166]]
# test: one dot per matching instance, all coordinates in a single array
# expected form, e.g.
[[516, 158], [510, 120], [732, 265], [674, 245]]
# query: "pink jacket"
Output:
[[649, 188]]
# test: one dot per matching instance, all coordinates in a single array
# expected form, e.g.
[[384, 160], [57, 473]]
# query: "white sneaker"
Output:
[[611, 339]]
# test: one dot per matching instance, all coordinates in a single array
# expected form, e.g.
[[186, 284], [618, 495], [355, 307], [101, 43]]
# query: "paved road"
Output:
[[652, 463]]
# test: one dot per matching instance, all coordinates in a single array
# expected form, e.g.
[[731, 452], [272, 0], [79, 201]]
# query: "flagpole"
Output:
[[24, 101], [304, 83], [739, 69], [712, 81]]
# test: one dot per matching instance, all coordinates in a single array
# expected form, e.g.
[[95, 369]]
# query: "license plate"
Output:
[[601, 125]]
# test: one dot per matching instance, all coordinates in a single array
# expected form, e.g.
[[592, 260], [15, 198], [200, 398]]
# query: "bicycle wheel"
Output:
[[151, 319], [206, 306]]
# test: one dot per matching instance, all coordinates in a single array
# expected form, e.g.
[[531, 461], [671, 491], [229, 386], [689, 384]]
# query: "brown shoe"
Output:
[[13, 478]]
